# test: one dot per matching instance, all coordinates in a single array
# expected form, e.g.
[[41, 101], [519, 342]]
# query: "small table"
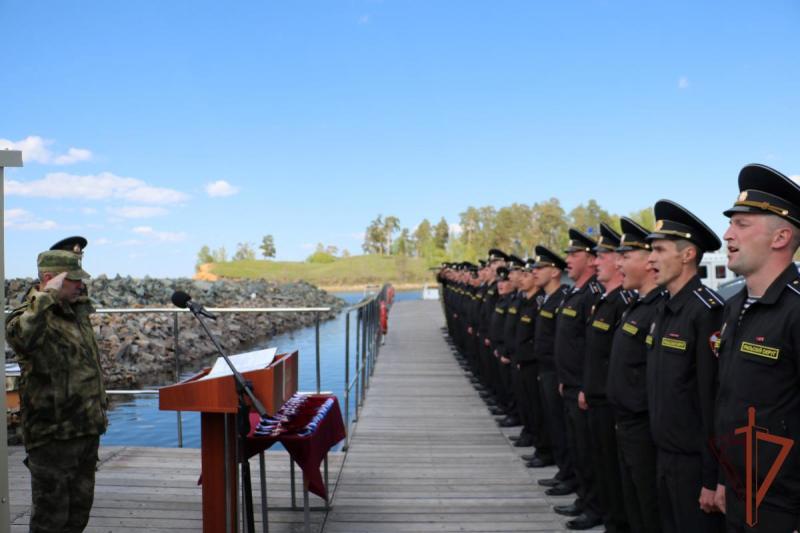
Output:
[[308, 451]]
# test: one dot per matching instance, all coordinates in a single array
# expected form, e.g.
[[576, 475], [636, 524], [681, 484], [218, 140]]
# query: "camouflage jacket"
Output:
[[61, 387]]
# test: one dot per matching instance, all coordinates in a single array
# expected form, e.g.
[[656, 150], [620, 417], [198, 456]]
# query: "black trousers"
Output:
[[680, 478], [555, 423], [605, 463], [769, 520], [637, 462], [520, 399], [533, 404], [579, 443]]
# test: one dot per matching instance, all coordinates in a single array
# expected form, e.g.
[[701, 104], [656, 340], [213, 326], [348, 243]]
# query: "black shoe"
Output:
[[509, 422], [485, 394], [513, 438], [496, 411], [584, 522], [549, 482], [568, 510], [562, 489], [524, 441], [540, 462], [527, 457]]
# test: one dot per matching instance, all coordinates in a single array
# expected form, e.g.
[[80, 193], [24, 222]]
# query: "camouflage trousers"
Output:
[[62, 484]]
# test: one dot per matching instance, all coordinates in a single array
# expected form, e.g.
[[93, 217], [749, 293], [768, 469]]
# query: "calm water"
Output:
[[136, 420]]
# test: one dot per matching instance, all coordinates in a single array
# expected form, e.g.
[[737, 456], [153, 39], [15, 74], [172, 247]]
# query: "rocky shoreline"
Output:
[[138, 348]]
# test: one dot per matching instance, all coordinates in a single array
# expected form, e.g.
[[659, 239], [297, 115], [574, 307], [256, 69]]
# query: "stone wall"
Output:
[[138, 349]]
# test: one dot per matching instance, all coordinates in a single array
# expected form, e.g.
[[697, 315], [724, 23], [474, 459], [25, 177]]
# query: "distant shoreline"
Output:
[[362, 286]]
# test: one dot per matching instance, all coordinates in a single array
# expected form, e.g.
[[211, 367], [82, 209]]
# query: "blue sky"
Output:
[[317, 116]]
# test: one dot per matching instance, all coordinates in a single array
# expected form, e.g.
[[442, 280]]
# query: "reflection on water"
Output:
[[136, 420]]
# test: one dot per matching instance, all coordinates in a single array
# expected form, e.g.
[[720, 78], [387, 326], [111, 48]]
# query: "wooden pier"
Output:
[[426, 456]]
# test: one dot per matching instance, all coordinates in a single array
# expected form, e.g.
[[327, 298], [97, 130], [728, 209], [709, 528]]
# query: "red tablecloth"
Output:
[[307, 451]]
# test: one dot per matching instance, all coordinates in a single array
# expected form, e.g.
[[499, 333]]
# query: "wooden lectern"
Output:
[[217, 401]]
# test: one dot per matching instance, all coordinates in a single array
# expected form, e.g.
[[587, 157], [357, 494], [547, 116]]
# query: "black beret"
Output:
[[580, 242], [634, 236], [608, 241], [71, 244], [674, 221], [547, 258], [496, 254], [765, 190]]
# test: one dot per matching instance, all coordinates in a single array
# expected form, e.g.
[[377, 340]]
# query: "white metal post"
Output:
[[8, 158]]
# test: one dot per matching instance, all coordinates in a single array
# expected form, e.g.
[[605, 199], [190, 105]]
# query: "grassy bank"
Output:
[[349, 272]]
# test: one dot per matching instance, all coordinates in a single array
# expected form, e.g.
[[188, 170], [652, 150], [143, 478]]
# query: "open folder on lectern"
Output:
[[243, 362]]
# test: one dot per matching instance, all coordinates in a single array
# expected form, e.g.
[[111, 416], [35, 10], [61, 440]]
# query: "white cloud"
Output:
[[308, 246], [795, 179], [73, 155], [35, 149], [102, 241], [162, 236], [88, 210], [93, 187], [220, 188], [683, 82], [455, 229], [21, 219], [137, 211], [363, 19]]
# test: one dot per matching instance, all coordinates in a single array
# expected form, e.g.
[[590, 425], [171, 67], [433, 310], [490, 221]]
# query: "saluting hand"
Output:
[[56, 282]]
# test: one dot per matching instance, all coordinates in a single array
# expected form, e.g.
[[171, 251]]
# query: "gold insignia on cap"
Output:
[[600, 241], [659, 225], [538, 258], [76, 248], [742, 196]]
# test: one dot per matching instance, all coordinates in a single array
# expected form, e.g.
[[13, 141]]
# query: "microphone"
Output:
[[184, 301]]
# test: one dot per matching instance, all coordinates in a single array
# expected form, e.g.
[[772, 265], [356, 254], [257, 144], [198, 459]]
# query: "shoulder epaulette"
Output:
[[794, 285], [709, 298]]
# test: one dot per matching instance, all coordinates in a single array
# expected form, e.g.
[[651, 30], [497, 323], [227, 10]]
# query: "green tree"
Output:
[[204, 256], [403, 245], [267, 246], [645, 217], [244, 251], [441, 234], [374, 237], [219, 255], [423, 237], [591, 215], [550, 225], [391, 224]]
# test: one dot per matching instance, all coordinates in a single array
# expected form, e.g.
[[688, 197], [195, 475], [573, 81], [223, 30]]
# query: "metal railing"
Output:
[[218, 310], [368, 335], [368, 340]]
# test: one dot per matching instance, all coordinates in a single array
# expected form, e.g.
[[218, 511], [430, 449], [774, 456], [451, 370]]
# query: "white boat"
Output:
[[430, 293]]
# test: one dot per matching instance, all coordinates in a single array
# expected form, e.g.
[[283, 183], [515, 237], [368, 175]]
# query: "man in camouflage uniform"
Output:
[[63, 399]]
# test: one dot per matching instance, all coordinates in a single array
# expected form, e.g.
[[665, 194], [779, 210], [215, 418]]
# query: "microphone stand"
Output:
[[243, 388]]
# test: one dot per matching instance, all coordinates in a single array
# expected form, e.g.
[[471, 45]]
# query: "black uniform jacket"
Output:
[[759, 366], [682, 373], [627, 375], [526, 328], [510, 325], [487, 310], [545, 330], [497, 325], [570, 349], [603, 321]]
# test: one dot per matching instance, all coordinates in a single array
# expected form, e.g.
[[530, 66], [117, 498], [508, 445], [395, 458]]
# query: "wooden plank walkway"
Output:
[[426, 455], [155, 490]]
